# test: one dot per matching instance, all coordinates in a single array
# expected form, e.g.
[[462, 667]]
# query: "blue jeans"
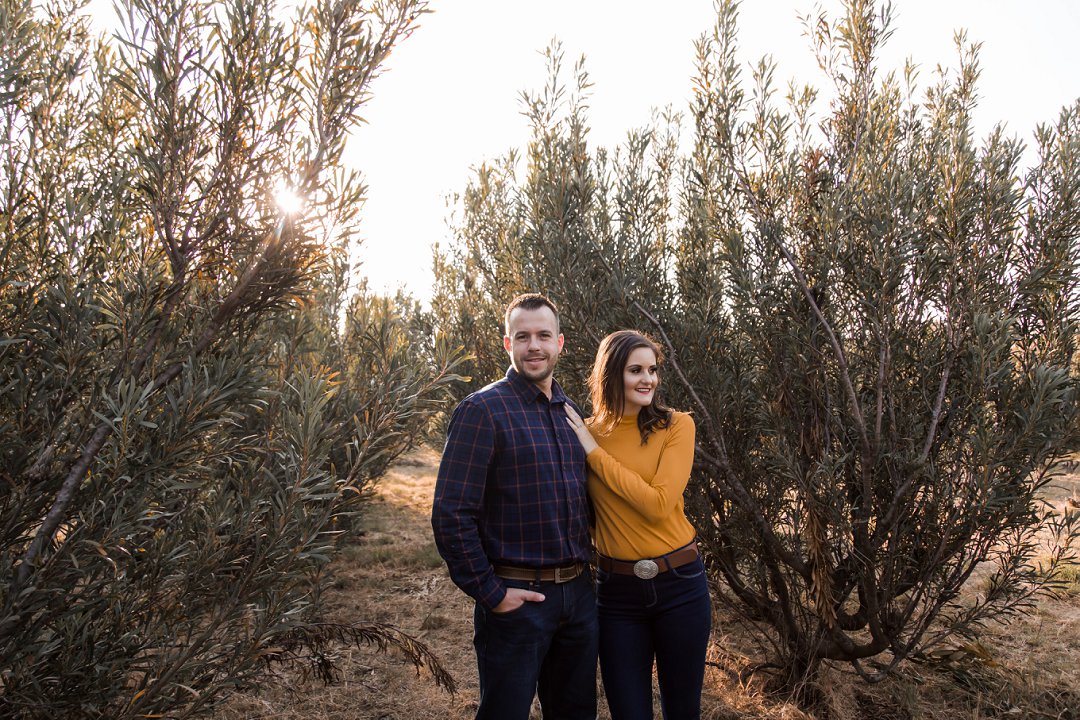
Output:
[[547, 649], [667, 618]]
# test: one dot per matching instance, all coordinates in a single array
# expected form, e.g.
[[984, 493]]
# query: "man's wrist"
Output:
[[492, 600]]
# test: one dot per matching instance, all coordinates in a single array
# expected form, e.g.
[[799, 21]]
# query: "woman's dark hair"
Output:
[[608, 391]]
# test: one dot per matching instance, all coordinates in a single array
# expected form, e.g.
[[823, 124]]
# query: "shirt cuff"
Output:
[[491, 594]]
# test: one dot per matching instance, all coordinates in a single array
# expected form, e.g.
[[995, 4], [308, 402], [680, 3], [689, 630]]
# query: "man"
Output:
[[511, 521]]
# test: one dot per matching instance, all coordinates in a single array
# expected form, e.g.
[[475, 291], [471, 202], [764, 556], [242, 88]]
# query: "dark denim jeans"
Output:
[[547, 649], [667, 618]]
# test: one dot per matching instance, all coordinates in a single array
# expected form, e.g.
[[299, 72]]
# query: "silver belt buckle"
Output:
[[646, 569]]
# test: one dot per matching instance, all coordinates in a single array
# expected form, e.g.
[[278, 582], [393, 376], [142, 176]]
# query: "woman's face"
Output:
[[640, 380]]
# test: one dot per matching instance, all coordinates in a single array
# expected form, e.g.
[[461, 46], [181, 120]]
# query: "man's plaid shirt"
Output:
[[511, 487]]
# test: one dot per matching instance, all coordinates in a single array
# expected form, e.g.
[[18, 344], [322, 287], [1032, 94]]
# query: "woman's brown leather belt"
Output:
[[649, 567]]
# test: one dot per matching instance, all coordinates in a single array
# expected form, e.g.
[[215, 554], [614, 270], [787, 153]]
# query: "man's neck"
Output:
[[544, 386]]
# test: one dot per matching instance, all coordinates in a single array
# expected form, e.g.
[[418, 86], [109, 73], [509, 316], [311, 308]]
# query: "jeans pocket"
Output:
[[509, 613], [520, 609], [502, 635], [689, 570]]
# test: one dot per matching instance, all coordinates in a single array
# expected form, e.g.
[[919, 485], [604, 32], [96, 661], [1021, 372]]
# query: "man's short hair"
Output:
[[529, 301]]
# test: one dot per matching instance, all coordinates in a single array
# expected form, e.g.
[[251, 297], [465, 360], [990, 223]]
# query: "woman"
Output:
[[651, 590]]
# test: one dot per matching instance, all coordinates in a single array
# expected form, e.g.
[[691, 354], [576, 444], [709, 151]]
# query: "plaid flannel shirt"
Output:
[[510, 488]]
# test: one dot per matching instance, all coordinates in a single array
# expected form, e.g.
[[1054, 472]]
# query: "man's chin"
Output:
[[536, 375]]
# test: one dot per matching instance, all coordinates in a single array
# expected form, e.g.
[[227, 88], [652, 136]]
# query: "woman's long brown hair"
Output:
[[608, 390]]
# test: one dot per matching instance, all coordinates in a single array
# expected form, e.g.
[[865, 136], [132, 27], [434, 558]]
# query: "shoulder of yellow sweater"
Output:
[[681, 426], [681, 419]]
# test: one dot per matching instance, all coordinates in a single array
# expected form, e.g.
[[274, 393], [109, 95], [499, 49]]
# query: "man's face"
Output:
[[534, 343]]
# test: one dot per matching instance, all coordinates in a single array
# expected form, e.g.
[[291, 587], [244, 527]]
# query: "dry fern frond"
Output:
[[311, 646]]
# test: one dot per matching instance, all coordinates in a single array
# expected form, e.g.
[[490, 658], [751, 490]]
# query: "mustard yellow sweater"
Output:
[[637, 489]]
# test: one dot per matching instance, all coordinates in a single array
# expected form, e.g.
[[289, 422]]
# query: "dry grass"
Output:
[[393, 574]]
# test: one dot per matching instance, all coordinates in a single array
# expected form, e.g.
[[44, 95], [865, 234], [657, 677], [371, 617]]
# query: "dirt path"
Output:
[[392, 574]]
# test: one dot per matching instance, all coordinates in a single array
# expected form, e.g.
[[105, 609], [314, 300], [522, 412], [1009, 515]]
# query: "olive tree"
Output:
[[185, 420], [872, 315]]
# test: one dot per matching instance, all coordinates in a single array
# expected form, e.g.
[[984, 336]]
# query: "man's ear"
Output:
[[506, 342], [560, 342]]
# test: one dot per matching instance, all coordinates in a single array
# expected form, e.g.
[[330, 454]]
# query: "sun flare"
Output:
[[287, 199]]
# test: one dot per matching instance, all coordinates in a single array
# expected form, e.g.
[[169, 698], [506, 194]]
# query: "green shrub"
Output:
[[872, 316], [184, 424]]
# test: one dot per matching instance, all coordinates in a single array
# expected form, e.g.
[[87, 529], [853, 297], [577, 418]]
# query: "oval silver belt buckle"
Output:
[[646, 569]]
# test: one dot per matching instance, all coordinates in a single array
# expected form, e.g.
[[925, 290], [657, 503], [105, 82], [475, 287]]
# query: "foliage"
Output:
[[184, 422], [544, 232], [872, 316]]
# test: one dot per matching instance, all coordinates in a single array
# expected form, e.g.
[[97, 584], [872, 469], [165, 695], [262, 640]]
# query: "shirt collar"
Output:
[[531, 393]]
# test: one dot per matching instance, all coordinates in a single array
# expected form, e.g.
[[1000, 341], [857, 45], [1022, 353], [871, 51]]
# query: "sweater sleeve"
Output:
[[654, 499]]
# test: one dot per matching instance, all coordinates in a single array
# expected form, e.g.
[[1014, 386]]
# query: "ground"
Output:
[[392, 574]]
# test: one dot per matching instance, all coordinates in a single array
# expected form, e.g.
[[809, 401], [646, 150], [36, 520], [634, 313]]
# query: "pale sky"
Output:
[[449, 97]]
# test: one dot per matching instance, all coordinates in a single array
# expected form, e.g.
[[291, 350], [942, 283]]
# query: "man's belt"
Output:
[[556, 574], [650, 567]]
